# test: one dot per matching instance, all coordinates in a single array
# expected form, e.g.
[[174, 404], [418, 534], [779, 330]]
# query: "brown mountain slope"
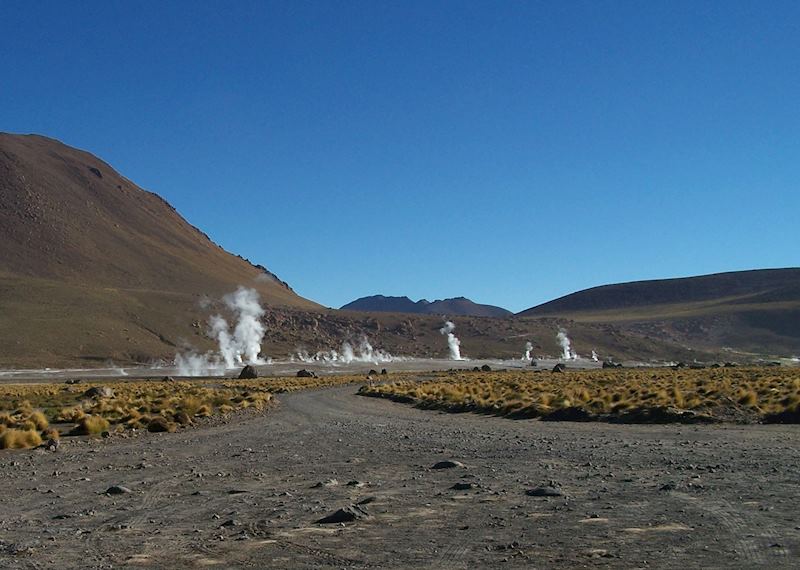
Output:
[[753, 311], [92, 266]]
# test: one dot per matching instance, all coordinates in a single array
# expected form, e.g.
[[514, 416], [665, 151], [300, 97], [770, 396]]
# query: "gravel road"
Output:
[[248, 493]]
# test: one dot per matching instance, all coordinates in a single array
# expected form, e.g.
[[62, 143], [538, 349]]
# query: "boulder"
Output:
[[344, 515], [248, 373], [447, 464], [545, 491], [560, 367], [486, 368], [99, 392], [383, 372], [305, 374]]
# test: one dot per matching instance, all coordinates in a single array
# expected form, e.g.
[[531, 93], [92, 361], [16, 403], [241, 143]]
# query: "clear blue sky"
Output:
[[510, 152]]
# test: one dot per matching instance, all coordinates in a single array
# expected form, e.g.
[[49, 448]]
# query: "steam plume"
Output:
[[566, 346], [242, 346], [594, 356], [363, 352], [452, 342], [528, 348]]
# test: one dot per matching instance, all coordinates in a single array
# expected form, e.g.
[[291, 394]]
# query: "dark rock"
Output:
[[462, 486], [305, 374], [248, 373], [168, 379], [99, 392], [784, 417], [611, 364], [545, 491], [73, 381], [671, 486], [372, 372], [486, 368], [118, 490], [534, 363], [476, 369], [383, 372], [347, 514], [570, 414], [327, 483], [95, 171], [447, 464], [679, 365], [52, 444], [560, 367], [662, 415], [160, 424]]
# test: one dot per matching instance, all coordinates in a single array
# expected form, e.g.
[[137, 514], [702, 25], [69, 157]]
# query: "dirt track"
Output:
[[242, 494]]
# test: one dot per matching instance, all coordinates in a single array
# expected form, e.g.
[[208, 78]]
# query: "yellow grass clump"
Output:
[[642, 394], [19, 439]]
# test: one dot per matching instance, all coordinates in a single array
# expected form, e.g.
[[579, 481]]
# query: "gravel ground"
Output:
[[247, 494]]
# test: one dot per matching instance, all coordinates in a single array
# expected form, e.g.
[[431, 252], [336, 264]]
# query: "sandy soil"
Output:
[[244, 494]]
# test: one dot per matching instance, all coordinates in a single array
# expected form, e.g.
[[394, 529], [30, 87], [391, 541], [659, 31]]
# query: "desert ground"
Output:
[[249, 492]]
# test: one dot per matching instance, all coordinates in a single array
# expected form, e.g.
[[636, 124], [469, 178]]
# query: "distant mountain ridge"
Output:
[[456, 306], [753, 311]]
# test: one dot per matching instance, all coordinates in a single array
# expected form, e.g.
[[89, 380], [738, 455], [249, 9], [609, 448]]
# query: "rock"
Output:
[[461, 486], [52, 444], [611, 364], [160, 424], [99, 392], [447, 464], [168, 379], [383, 372], [476, 369], [372, 372], [356, 484], [560, 367], [347, 514], [248, 373], [73, 381], [570, 414], [534, 363], [679, 365], [486, 368], [545, 491], [305, 374], [118, 490], [328, 483], [671, 486], [95, 171]]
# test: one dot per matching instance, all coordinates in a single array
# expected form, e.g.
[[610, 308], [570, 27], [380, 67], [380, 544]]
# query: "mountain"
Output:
[[748, 311], [92, 267], [456, 306]]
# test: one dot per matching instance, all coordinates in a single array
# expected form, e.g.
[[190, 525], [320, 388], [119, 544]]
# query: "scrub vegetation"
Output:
[[31, 414], [635, 395]]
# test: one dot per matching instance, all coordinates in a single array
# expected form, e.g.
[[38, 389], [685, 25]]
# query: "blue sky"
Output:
[[510, 152]]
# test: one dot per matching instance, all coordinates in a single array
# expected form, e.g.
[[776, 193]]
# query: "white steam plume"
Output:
[[566, 346], [595, 357], [364, 352], [528, 348], [452, 341], [242, 346]]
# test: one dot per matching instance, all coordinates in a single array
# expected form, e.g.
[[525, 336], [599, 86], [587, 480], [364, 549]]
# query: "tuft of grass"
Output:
[[91, 425], [20, 439]]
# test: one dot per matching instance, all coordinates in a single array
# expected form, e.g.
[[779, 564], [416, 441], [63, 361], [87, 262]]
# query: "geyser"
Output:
[[528, 348], [566, 346], [242, 346], [452, 342]]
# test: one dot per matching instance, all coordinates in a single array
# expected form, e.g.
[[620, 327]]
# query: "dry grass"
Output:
[[735, 394], [27, 411]]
